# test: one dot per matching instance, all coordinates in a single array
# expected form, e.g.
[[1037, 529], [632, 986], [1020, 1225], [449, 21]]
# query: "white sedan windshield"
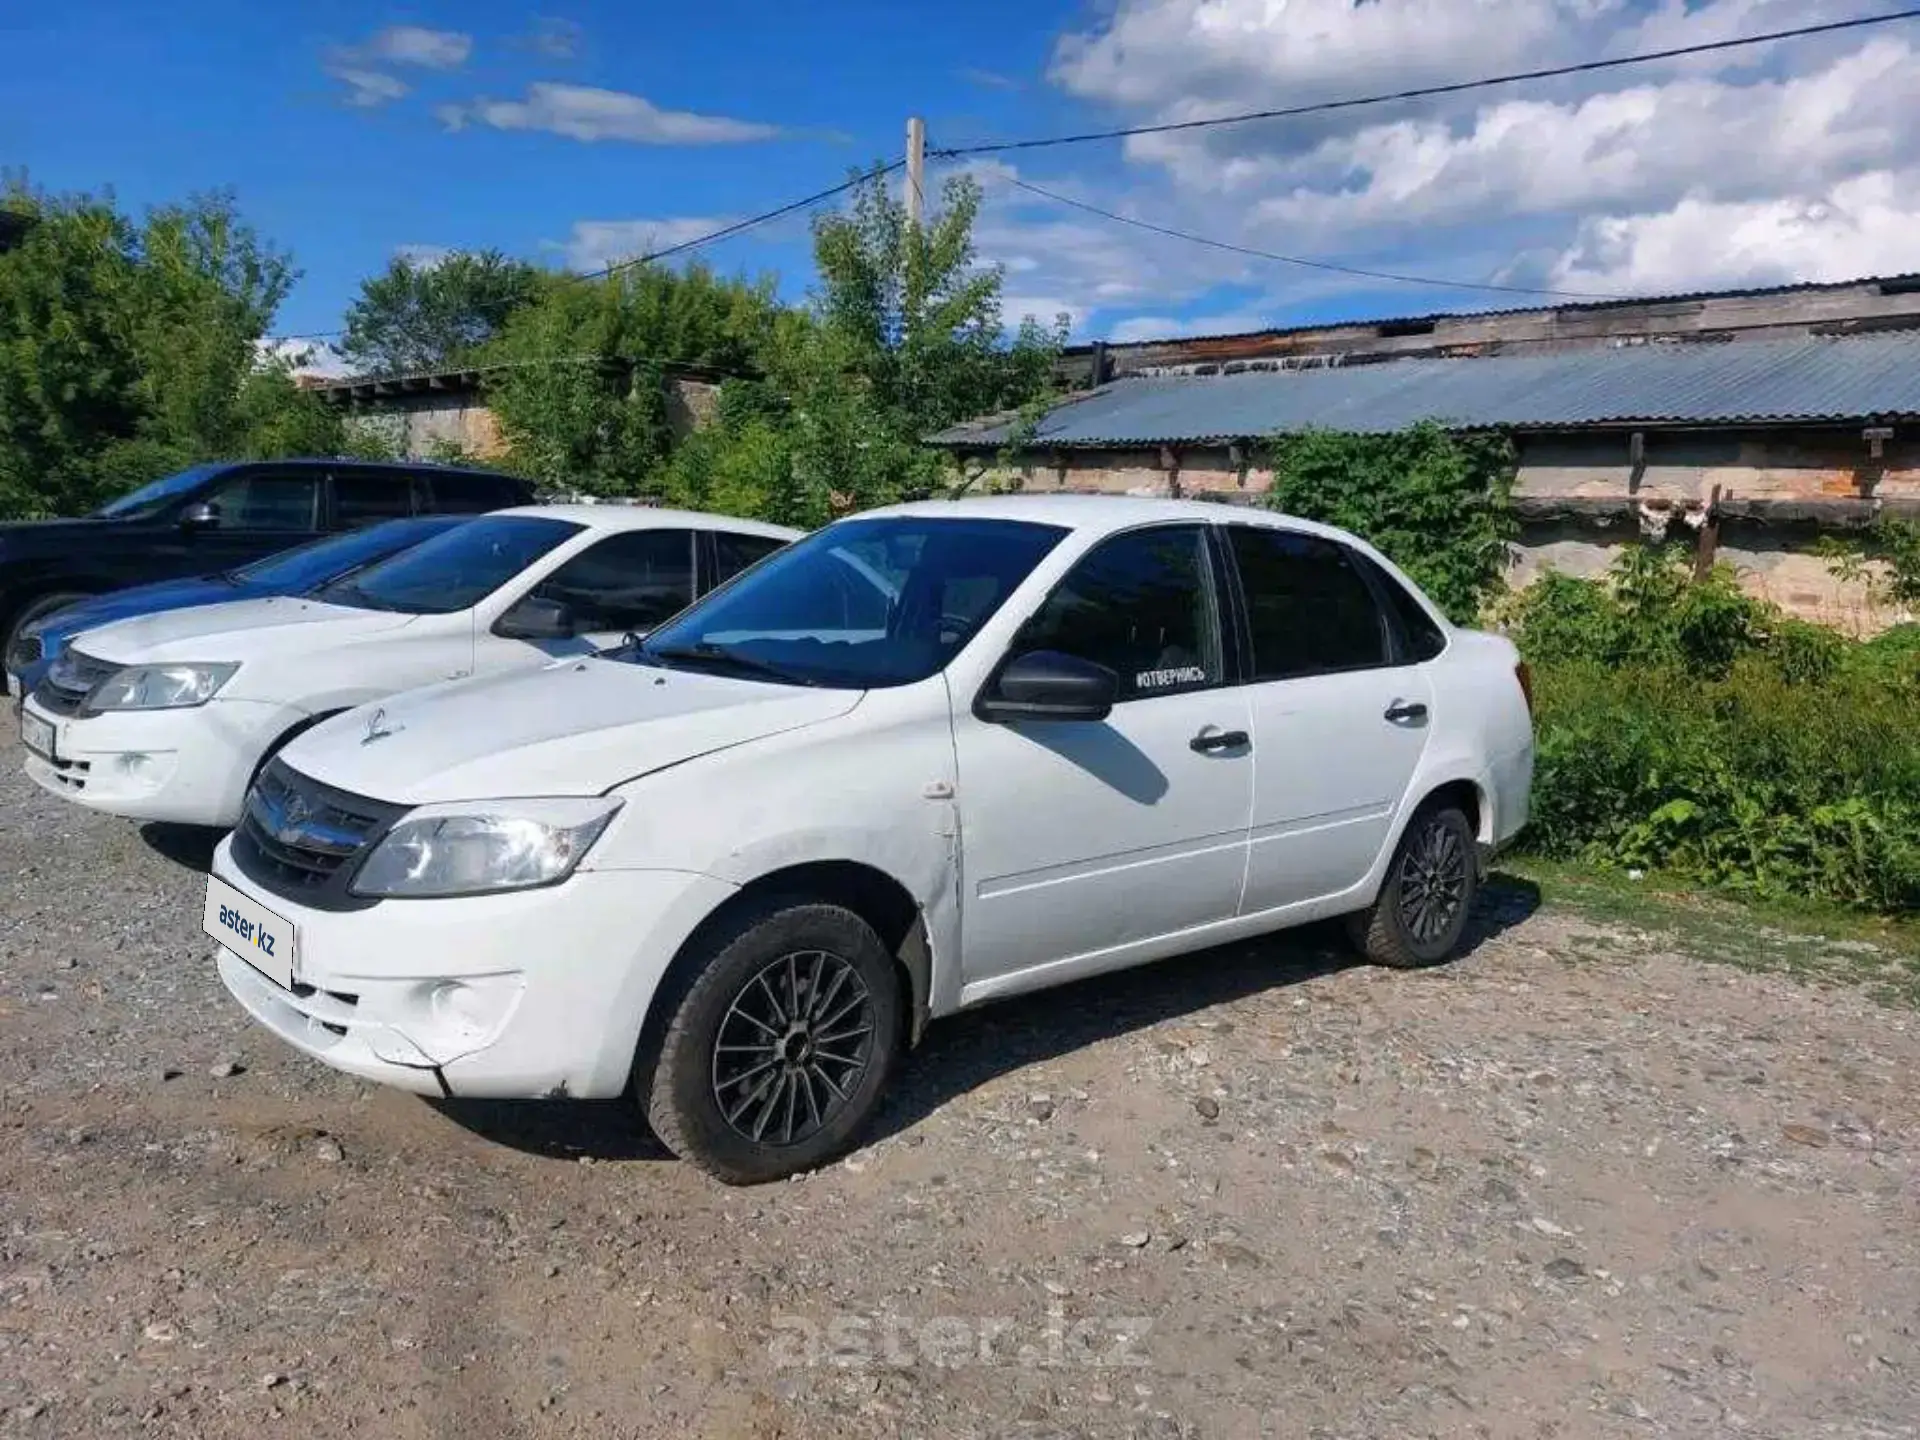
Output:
[[861, 604]]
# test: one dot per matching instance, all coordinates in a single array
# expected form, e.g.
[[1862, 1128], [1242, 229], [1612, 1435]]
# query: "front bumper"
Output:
[[535, 993], [189, 766]]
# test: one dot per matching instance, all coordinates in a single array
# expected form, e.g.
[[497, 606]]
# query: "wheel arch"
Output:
[[876, 896]]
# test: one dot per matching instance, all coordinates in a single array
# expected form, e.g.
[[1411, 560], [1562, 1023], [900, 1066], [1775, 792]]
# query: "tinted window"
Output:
[[268, 500], [861, 603], [1143, 605], [363, 497], [1423, 639], [625, 582], [311, 564], [455, 570], [734, 553], [470, 493], [1307, 604]]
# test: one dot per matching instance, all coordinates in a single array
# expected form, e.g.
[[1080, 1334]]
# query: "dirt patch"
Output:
[[1577, 1184]]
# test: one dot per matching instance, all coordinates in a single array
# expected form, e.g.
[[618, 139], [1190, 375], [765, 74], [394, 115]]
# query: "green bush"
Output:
[[1693, 729]]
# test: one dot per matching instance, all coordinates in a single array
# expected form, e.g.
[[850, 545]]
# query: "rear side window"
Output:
[[734, 552], [1143, 605], [365, 497], [459, 493], [1308, 606], [1422, 638], [629, 581]]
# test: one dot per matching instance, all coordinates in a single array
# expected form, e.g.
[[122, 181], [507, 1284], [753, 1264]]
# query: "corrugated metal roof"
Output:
[[1727, 383]]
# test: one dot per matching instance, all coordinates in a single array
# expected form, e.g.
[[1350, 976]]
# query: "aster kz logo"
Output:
[[376, 728]]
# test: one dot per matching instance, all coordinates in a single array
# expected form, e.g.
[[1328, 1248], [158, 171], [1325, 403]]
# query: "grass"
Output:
[[1814, 942]]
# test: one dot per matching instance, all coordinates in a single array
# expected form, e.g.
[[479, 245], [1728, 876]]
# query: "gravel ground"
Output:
[[1575, 1184]]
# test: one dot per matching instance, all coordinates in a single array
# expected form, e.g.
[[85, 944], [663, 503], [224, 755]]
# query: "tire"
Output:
[[750, 1085], [33, 610], [1435, 858]]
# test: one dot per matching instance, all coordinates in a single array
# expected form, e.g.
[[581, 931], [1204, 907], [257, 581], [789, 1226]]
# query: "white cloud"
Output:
[[368, 89], [1869, 225], [302, 356], [424, 257], [417, 45], [1166, 327], [584, 112], [596, 244], [1763, 164], [987, 79], [364, 68]]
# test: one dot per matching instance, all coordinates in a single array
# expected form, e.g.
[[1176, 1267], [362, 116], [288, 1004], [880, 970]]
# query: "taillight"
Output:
[[1524, 675]]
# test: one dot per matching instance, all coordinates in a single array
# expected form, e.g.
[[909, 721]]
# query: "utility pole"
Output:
[[916, 168]]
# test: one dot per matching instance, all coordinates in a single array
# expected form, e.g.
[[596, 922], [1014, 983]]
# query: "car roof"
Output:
[[1102, 513], [648, 517], [398, 467]]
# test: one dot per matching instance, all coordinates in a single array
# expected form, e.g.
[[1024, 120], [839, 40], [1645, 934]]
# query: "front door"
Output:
[[1340, 716], [256, 513], [625, 584], [1084, 837]]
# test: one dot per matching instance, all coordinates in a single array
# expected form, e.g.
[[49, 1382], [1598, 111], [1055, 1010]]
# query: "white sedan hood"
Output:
[[236, 630], [580, 727]]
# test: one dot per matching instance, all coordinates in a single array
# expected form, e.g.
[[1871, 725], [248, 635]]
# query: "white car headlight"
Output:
[[159, 687], [471, 847]]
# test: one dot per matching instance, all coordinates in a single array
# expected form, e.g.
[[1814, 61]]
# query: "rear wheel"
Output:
[[1424, 903], [779, 1050]]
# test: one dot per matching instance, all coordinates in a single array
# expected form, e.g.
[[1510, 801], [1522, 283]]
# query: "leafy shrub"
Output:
[[1434, 503], [1700, 731]]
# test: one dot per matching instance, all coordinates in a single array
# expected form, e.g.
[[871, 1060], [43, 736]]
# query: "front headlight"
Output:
[[159, 687], [471, 847]]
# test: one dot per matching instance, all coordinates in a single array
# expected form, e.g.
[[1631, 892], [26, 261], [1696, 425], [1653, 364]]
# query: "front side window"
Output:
[[268, 500], [1143, 605], [631, 581], [1308, 606], [860, 604], [454, 570]]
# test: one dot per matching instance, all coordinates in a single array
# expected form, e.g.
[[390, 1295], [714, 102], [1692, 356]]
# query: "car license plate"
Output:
[[258, 936], [36, 733]]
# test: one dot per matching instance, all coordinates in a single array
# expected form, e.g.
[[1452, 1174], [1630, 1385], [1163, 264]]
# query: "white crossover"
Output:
[[169, 716], [927, 757]]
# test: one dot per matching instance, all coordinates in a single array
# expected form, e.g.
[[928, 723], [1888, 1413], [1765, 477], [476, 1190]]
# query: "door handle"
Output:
[[1208, 741], [1400, 711]]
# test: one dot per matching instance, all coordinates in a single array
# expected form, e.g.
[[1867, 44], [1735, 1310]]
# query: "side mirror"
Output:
[[537, 619], [200, 516], [1047, 685]]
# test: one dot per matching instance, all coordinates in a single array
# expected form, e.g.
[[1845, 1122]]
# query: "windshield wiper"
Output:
[[350, 595], [709, 654]]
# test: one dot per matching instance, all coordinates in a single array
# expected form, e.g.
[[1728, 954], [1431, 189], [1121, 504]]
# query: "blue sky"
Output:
[[577, 132]]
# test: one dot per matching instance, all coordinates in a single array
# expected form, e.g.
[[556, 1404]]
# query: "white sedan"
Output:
[[170, 716], [925, 758]]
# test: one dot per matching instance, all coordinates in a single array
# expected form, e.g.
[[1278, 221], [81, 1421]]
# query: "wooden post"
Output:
[[916, 168], [1709, 539]]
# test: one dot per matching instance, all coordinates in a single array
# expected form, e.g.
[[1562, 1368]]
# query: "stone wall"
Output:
[[1613, 492]]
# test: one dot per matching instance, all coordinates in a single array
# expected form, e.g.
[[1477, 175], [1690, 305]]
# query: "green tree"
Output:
[[1434, 503], [421, 315], [129, 348], [578, 382]]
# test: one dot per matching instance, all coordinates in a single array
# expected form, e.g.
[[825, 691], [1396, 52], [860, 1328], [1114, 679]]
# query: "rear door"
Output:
[[1340, 715], [626, 583]]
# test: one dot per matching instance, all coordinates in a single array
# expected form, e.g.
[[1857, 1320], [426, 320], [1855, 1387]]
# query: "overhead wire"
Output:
[[1320, 107]]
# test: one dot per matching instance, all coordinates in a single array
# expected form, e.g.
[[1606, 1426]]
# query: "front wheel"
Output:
[[778, 1053], [1424, 903]]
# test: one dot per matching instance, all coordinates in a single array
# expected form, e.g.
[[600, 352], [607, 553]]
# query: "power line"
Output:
[[739, 225], [1333, 266], [1585, 67]]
